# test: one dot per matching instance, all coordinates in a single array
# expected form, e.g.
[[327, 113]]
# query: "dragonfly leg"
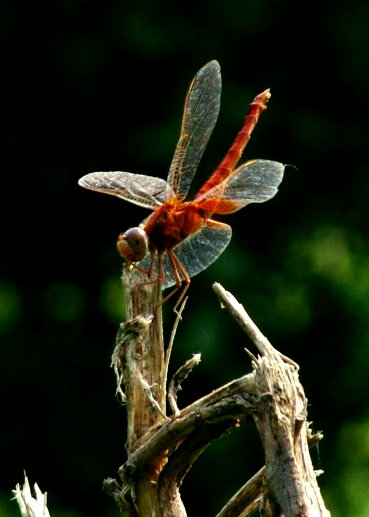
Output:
[[176, 269], [148, 273], [180, 274]]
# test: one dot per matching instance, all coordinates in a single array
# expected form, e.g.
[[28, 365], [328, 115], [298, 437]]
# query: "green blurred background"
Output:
[[90, 85]]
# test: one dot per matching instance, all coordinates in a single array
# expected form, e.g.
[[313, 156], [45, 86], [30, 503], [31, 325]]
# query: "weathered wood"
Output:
[[161, 449], [143, 357], [138, 360], [290, 484]]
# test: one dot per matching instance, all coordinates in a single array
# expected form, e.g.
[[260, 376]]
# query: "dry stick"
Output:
[[175, 384], [144, 357], [152, 474], [234, 400], [291, 488], [171, 340], [31, 505], [141, 367], [138, 361], [243, 319], [247, 499]]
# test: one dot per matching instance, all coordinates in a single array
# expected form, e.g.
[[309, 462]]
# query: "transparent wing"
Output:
[[199, 118], [197, 252], [146, 191], [254, 182]]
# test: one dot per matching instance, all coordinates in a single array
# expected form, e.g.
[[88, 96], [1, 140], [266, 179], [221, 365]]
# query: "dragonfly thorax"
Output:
[[133, 244], [171, 223]]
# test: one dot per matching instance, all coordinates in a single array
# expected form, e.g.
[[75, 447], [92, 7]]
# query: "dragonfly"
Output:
[[180, 238]]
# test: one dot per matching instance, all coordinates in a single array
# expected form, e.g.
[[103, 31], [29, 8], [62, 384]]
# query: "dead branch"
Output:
[[162, 449], [290, 485], [31, 505]]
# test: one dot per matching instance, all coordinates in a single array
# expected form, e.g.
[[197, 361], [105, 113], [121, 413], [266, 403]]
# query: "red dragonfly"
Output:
[[179, 239]]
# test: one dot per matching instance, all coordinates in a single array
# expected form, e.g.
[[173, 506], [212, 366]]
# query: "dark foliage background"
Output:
[[89, 85]]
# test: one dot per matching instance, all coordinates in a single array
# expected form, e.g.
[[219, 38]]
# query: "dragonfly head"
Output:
[[133, 244]]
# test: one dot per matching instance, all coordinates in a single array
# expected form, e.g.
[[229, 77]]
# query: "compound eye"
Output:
[[133, 244]]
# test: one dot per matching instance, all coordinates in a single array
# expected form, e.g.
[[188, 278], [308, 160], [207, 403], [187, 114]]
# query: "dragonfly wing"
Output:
[[197, 252], [200, 250], [253, 182], [146, 191], [199, 118]]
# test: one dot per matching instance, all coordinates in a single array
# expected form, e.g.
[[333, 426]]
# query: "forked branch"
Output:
[[290, 485], [162, 449]]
